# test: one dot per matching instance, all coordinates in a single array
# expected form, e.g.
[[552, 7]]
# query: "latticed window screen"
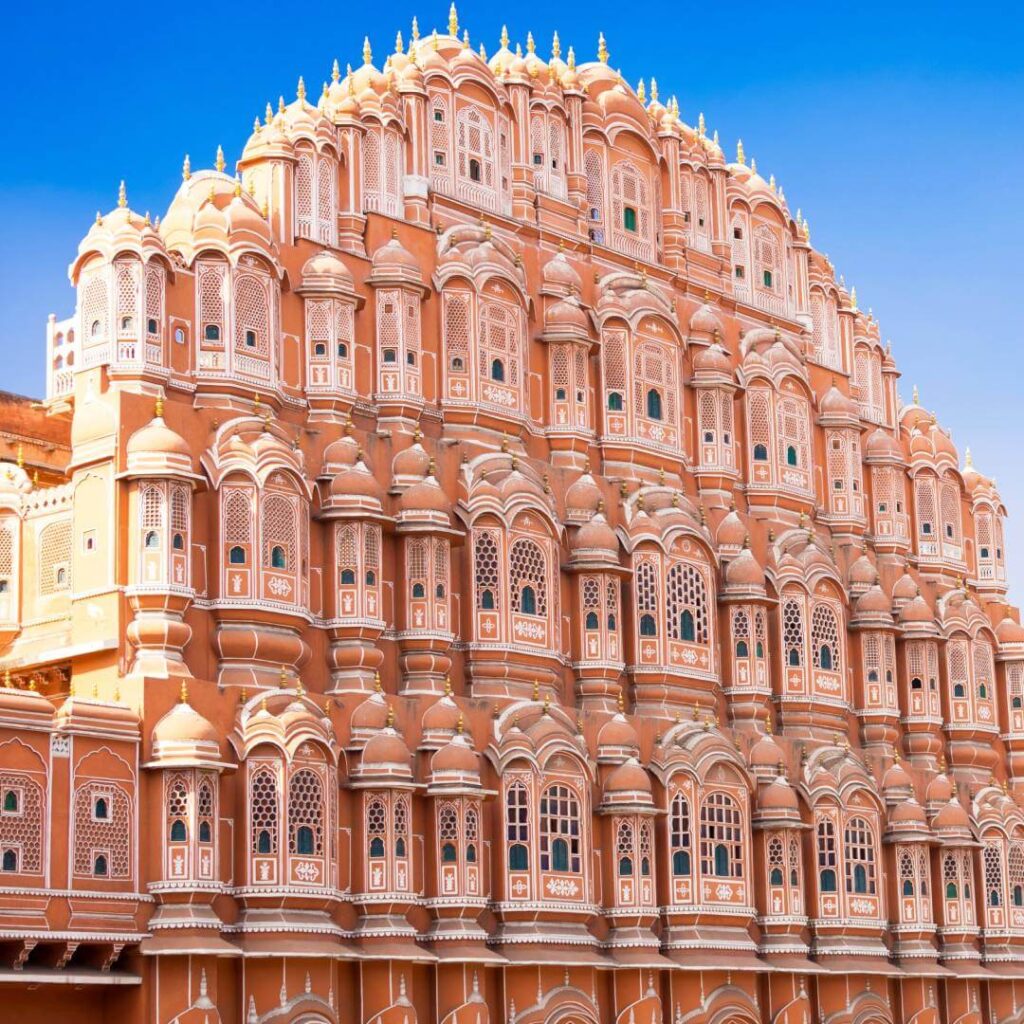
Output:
[[792, 419], [759, 418], [6, 550], [126, 294], [528, 567], [646, 583], [151, 508], [994, 884], [924, 491], [237, 517], [559, 821], [456, 332], [485, 568], [957, 664], [766, 250], [654, 368], [154, 300], [793, 630], [107, 836], [687, 592], [180, 505], [825, 636], [210, 290], [95, 312], [325, 199], [55, 557], [721, 827], [305, 809], [950, 512], [304, 195], [517, 813], [263, 811], [826, 845], [475, 142], [613, 354], [859, 849], [23, 830], [593, 167], [279, 530], [499, 340], [631, 189], [252, 316], [624, 844]]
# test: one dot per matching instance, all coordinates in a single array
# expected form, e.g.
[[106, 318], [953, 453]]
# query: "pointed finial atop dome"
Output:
[[367, 51], [391, 717], [465, 38], [916, 396], [654, 90], [21, 456], [280, 105], [701, 126], [399, 43], [641, 91], [377, 687], [968, 459], [460, 725], [335, 71], [158, 409], [122, 196], [531, 46], [183, 695], [602, 49], [453, 21], [621, 701], [219, 162], [572, 59], [504, 37], [853, 297], [415, 31], [447, 686], [186, 168], [740, 157], [753, 165], [238, 185], [556, 46]]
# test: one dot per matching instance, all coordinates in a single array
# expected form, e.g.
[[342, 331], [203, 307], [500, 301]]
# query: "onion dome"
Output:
[[340, 454], [627, 785], [565, 320], [325, 274], [705, 326], [455, 765], [712, 363], [882, 447], [394, 264], [896, 784], [744, 575], [617, 740], [369, 717], [777, 802], [906, 820], [582, 499], [595, 543], [732, 532], [939, 790], [766, 756], [385, 755], [837, 409], [873, 608], [558, 277], [862, 574], [905, 589], [184, 738], [951, 821], [410, 465], [1009, 633], [355, 490], [917, 613], [425, 502], [440, 721], [156, 450]]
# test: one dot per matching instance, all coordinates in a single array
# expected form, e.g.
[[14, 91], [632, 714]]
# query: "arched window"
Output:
[[99, 867], [721, 837], [101, 809], [760, 453], [825, 638], [686, 630], [560, 830], [277, 557], [497, 370], [791, 456], [648, 626], [827, 856], [687, 604], [528, 577], [10, 860], [681, 836], [654, 405], [236, 556], [629, 218], [859, 851], [615, 402], [178, 831], [527, 601], [517, 826], [305, 813], [263, 811], [449, 853], [11, 803], [376, 828]]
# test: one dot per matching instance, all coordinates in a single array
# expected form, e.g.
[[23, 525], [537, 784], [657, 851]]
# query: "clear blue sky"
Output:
[[896, 128]]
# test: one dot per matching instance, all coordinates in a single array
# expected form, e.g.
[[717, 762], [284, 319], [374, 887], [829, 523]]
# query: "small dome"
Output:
[[442, 716], [834, 404], [712, 360], [156, 438], [766, 753], [566, 317], [341, 453], [456, 757], [629, 779], [1010, 632], [325, 274], [356, 483], [617, 734], [939, 790], [597, 537], [705, 324], [952, 817], [426, 496], [916, 611], [778, 797], [185, 737], [393, 262], [371, 715], [583, 496], [731, 531], [558, 275], [907, 813], [896, 782], [905, 588], [386, 751], [873, 602], [881, 445], [744, 571], [410, 463], [862, 572]]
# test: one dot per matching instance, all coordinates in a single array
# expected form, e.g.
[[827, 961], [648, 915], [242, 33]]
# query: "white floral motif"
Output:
[[562, 887], [307, 871], [279, 587]]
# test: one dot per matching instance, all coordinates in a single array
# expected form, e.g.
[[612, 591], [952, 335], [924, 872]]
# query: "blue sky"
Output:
[[896, 128]]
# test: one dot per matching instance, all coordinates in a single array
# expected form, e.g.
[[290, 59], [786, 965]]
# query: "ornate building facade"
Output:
[[472, 565]]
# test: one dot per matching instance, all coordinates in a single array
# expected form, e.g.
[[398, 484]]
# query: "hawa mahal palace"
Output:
[[472, 565]]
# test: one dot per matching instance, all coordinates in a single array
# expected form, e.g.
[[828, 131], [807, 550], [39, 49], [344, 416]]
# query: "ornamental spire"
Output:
[[654, 90], [453, 21], [531, 46], [335, 71], [572, 59], [504, 37], [641, 91], [219, 162], [701, 126], [740, 157], [186, 168], [602, 49], [367, 52], [122, 196], [300, 89], [556, 47], [415, 29]]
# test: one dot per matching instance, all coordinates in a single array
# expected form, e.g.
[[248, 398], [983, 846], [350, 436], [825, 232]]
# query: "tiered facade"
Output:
[[473, 566]]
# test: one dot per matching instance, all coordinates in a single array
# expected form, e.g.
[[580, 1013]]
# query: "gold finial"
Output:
[[300, 89], [536, 690], [504, 37], [768, 725], [367, 52], [95, 691], [447, 686], [399, 43], [34, 688], [916, 396], [7, 679], [435, 42], [263, 706], [654, 90], [621, 703], [183, 696], [158, 409], [268, 113], [186, 165], [280, 105], [219, 163], [122, 196], [465, 39], [547, 705], [21, 456], [531, 46], [283, 677], [335, 71], [853, 297], [266, 423], [243, 697], [771, 182], [602, 49], [753, 165], [415, 29], [299, 688], [460, 725], [391, 717], [641, 91], [378, 688], [453, 21], [968, 459], [238, 186], [701, 127], [99, 217], [740, 158], [35, 478], [556, 47], [572, 59]]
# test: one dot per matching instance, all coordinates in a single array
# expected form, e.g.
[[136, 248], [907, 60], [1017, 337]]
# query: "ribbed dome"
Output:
[[325, 274], [628, 778], [386, 750], [558, 274], [583, 495], [778, 797], [156, 438], [744, 571]]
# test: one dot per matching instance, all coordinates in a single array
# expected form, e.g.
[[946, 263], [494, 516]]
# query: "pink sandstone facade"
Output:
[[472, 565]]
